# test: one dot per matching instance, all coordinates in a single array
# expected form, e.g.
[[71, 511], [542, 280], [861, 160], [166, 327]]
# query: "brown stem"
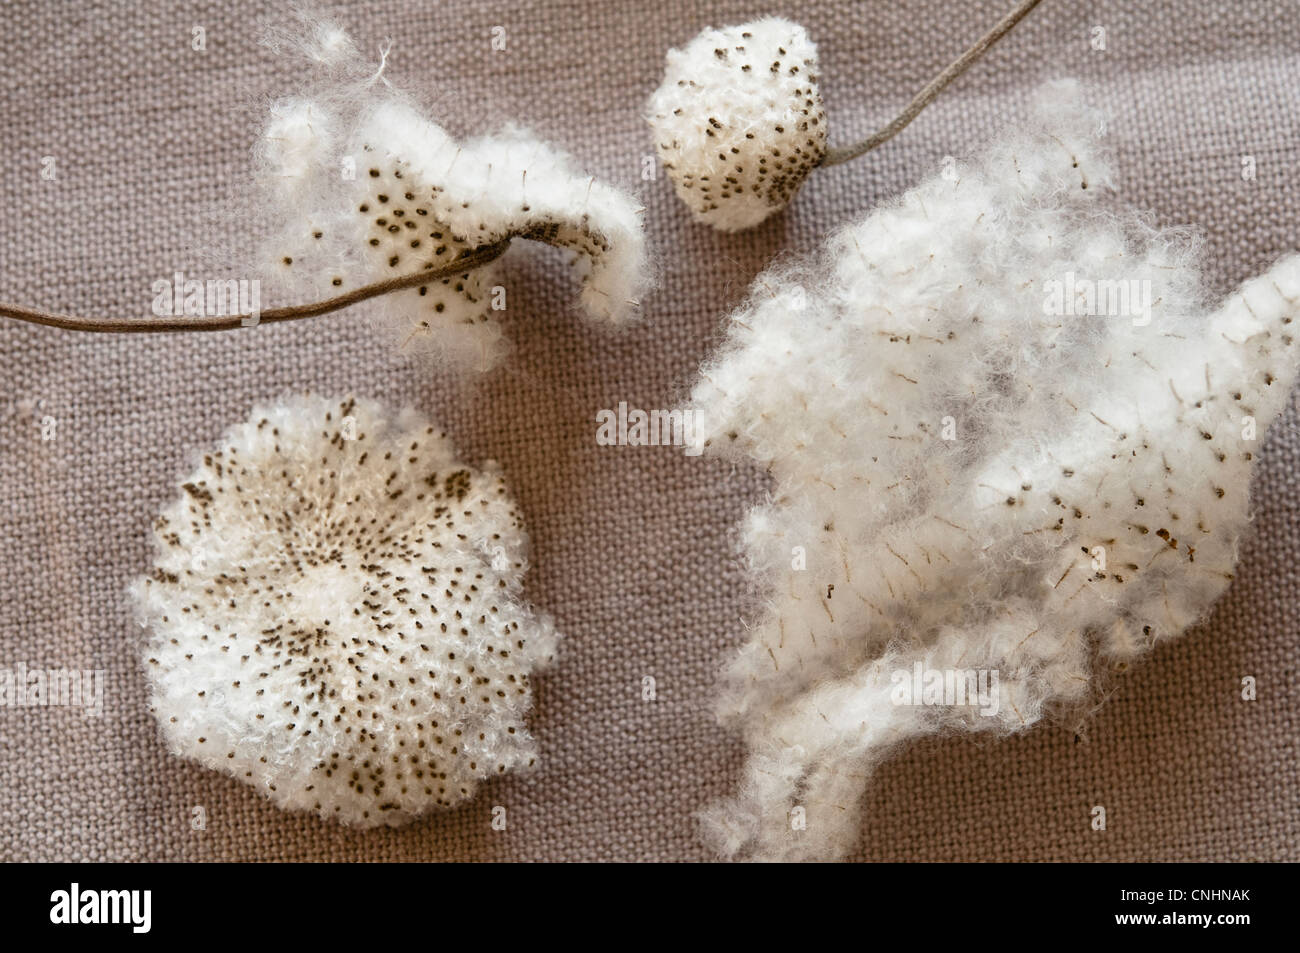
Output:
[[932, 89], [467, 262]]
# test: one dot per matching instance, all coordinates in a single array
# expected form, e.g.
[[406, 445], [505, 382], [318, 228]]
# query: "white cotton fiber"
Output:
[[1006, 436]]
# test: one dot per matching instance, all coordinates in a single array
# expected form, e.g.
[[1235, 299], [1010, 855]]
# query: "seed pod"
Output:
[[337, 617], [738, 121]]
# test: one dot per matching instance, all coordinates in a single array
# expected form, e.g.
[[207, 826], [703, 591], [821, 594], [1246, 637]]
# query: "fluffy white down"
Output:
[[369, 189], [336, 614], [953, 455], [738, 120]]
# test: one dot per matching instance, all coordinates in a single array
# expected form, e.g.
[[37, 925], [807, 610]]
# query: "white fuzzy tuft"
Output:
[[298, 134], [977, 470], [369, 189], [738, 120], [337, 617]]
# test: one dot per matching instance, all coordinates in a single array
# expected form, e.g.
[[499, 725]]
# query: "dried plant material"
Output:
[[1011, 447], [369, 189], [738, 120], [337, 616]]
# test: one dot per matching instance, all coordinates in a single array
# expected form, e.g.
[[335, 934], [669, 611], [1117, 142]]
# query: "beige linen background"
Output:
[[633, 546]]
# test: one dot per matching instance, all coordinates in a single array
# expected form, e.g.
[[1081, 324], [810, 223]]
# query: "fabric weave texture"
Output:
[[633, 547]]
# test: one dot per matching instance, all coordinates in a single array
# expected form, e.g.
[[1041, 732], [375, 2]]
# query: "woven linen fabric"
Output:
[[148, 141]]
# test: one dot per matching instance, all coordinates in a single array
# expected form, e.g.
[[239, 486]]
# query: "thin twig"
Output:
[[467, 262], [932, 89]]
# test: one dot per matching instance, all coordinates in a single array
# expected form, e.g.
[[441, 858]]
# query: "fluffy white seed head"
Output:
[[336, 614], [1007, 435], [368, 189], [738, 120]]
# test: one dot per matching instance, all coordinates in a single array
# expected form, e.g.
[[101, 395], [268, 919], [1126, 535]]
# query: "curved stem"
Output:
[[467, 262], [933, 88]]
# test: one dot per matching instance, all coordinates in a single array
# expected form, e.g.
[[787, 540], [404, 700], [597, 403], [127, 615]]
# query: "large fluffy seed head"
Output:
[[336, 614], [738, 120], [1007, 436], [368, 189]]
